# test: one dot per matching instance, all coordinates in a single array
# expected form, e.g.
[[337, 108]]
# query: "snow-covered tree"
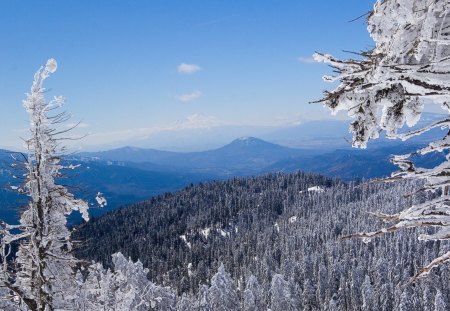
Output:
[[185, 303], [125, 288], [332, 305], [253, 295], [367, 295], [439, 302], [203, 303], [44, 263], [133, 291], [41, 277], [282, 298], [308, 295], [223, 293], [406, 300], [385, 88]]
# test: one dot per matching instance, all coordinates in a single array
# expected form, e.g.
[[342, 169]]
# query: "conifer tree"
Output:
[[223, 293], [439, 302], [41, 276], [368, 295], [253, 295], [281, 295], [406, 302]]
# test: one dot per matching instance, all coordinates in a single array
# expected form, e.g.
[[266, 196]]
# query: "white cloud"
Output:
[[189, 97], [307, 60], [188, 68]]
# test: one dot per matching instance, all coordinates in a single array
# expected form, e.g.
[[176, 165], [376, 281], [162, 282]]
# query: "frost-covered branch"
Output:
[[386, 88]]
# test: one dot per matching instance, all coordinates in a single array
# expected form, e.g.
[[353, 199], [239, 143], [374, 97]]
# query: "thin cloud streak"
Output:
[[189, 97], [195, 121]]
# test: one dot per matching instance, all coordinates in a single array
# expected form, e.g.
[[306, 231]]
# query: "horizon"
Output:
[[325, 134]]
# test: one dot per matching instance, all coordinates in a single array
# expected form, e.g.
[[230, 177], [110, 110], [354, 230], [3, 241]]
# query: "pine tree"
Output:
[[368, 295], [44, 279], [309, 295], [203, 301], [41, 276], [406, 301], [281, 295], [185, 303], [253, 295], [439, 302], [223, 293], [332, 304]]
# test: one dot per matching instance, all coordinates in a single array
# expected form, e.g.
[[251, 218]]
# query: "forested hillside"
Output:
[[278, 236]]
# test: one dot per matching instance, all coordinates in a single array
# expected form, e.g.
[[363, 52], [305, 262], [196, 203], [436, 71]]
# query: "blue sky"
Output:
[[247, 63]]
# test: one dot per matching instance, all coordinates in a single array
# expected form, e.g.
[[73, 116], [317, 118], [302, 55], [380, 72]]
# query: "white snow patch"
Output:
[[316, 189], [101, 201], [277, 227], [223, 233], [205, 232], [189, 267], [183, 237]]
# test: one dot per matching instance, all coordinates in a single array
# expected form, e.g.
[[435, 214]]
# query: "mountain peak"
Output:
[[248, 140]]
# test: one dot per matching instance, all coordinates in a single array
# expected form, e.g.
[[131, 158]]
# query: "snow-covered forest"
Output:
[[274, 242], [279, 230]]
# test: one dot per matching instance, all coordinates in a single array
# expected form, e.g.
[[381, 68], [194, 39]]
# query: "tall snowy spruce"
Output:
[[385, 88], [222, 293], [41, 277]]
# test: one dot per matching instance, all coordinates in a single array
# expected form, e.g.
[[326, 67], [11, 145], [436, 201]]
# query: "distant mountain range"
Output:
[[329, 134], [129, 174], [243, 156], [253, 156]]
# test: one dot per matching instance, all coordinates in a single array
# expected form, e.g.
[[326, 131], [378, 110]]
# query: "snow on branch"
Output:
[[386, 88]]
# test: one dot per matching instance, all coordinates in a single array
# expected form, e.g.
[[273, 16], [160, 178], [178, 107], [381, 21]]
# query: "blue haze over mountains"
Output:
[[129, 174]]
